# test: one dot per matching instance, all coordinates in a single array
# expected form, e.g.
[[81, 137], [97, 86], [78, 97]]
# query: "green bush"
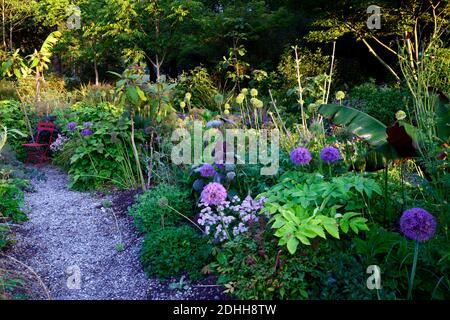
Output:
[[12, 199], [199, 83], [103, 158], [12, 117], [155, 209], [253, 266], [379, 102], [175, 250], [7, 90]]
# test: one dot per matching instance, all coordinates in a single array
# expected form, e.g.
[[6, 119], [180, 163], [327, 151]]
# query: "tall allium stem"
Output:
[[413, 271]]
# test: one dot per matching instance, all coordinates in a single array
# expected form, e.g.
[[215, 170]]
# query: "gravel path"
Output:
[[68, 232]]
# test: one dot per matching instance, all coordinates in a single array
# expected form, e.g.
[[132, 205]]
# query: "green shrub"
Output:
[[12, 117], [7, 90], [175, 250], [379, 102], [105, 156], [12, 199], [254, 267], [155, 209], [199, 83]]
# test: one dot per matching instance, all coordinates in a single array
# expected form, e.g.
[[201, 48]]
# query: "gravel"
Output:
[[70, 233]]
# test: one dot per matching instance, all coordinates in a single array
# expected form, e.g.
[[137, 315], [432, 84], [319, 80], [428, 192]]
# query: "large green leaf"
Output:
[[50, 42], [375, 159], [360, 123]]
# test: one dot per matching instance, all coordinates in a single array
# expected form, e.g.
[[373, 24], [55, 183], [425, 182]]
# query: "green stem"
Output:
[[386, 176], [413, 271]]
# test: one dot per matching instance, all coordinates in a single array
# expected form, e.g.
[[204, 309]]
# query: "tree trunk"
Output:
[[38, 86], [157, 68], [57, 64], [96, 72], [11, 47], [3, 24]]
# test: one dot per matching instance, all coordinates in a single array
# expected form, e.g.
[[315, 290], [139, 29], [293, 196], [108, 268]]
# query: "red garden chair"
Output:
[[37, 151]]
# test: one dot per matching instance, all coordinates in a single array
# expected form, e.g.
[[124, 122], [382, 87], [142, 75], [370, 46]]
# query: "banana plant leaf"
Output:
[[361, 124], [376, 159]]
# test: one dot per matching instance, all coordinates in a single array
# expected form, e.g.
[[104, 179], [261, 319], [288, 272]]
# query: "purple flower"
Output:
[[417, 224], [213, 194], [198, 185], [72, 126], [86, 132], [207, 171], [300, 156], [231, 175], [87, 124], [330, 154], [213, 124]]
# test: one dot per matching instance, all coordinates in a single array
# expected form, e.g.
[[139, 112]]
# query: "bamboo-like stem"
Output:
[[136, 155], [300, 90], [381, 60], [331, 72]]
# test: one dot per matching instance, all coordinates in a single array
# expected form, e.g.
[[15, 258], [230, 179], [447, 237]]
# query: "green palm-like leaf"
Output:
[[49, 43], [360, 123], [376, 159]]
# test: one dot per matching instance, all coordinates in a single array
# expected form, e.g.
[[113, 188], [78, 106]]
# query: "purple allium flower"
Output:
[[198, 185], [87, 124], [417, 224], [231, 175], [207, 171], [220, 166], [330, 154], [86, 132], [182, 116], [214, 124], [214, 193], [72, 126], [300, 156]]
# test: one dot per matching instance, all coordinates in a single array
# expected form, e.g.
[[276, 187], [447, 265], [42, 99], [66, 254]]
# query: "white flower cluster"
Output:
[[229, 218], [59, 143]]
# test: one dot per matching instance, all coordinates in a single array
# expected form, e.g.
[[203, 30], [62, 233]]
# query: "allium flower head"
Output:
[[207, 171], [400, 115], [257, 103], [87, 124], [244, 91], [231, 175], [240, 98], [312, 107], [214, 193], [300, 156], [182, 104], [417, 224], [72, 126], [254, 93], [188, 96], [226, 112], [198, 185], [86, 132], [330, 154], [214, 124], [340, 95]]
